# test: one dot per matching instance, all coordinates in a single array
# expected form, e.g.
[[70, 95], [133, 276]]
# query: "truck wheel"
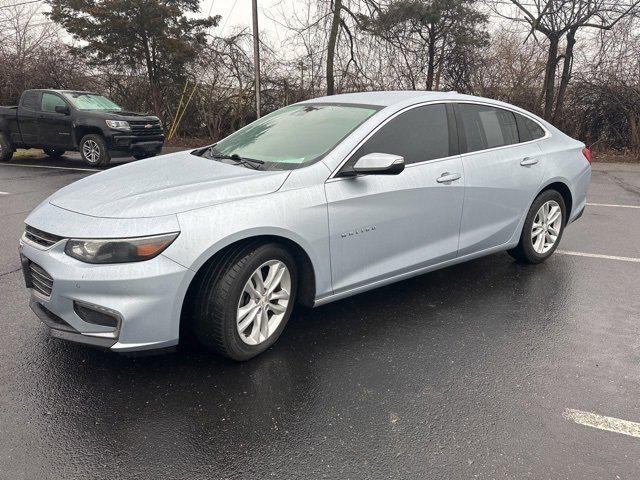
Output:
[[93, 150], [6, 149], [53, 152]]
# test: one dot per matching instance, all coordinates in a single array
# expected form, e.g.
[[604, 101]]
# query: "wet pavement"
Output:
[[461, 373]]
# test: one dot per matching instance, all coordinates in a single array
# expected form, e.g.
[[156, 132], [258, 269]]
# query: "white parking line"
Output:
[[610, 424], [5, 193], [597, 255], [46, 166], [612, 205]]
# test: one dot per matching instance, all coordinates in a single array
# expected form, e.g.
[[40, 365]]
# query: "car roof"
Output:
[[402, 98], [386, 98]]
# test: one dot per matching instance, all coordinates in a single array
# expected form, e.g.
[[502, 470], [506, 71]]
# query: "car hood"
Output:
[[164, 185]]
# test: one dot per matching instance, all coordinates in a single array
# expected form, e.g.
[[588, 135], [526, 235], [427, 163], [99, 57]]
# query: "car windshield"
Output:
[[90, 101], [293, 136]]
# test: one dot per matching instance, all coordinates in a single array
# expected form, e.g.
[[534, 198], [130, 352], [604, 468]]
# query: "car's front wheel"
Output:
[[244, 301], [542, 228], [93, 150]]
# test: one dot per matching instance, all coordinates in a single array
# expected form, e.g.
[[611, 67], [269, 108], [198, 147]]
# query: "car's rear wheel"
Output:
[[244, 301], [542, 228], [53, 152], [6, 149], [93, 151]]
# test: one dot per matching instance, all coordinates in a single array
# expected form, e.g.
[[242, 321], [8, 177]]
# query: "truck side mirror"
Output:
[[63, 109]]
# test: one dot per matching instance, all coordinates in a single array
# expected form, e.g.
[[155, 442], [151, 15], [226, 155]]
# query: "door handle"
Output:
[[528, 161], [447, 177]]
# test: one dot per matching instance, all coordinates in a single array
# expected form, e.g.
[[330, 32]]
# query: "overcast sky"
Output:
[[237, 13]]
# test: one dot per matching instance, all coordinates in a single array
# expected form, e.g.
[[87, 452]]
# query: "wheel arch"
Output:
[[563, 189], [306, 270], [83, 130]]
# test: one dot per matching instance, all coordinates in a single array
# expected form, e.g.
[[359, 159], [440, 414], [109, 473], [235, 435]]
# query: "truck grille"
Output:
[[40, 279], [141, 128], [41, 238]]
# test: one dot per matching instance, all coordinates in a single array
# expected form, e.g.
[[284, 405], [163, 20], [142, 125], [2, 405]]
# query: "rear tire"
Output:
[[6, 149], [228, 289], [93, 150], [534, 248], [53, 152]]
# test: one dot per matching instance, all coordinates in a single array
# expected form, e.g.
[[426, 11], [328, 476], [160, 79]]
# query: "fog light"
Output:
[[96, 315]]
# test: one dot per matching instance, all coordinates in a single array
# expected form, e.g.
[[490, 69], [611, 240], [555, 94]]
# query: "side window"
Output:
[[30, 100], [51, 101], [418, 135], [487, 127], [528, 129]]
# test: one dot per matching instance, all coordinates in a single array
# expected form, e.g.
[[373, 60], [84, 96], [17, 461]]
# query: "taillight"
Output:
[[587, 154]]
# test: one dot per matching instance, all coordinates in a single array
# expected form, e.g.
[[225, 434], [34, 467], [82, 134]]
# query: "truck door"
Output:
[[54, 128], [28, 117]]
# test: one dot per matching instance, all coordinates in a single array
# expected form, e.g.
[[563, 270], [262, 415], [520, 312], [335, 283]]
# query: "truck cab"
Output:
[[65, 120]]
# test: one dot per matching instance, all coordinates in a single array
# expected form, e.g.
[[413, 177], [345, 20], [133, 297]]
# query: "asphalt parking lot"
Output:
[[483, 370]]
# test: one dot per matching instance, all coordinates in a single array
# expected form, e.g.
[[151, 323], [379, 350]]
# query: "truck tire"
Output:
[[53, 152], [6, 149], [93, 150], [143, 155]]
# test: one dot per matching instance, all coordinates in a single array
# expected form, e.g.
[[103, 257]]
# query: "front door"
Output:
[[386, 225], [55, 129]]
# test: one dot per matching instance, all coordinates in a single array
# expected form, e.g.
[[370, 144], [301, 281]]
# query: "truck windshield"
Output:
[[293, 136], [90, 101]]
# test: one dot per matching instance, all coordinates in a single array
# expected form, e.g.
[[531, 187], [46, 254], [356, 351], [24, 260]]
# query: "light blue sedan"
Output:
[[312, 203]]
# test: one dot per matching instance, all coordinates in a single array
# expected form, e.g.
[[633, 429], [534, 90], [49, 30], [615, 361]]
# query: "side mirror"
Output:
[[379, 164], [63, 109]]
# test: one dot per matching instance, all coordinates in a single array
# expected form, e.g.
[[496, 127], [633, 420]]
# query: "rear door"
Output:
[[54, 128], [28, 117], [503, 171], [386, 225]]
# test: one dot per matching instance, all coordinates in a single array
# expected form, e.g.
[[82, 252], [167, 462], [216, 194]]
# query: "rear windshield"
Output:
[[90, 101]]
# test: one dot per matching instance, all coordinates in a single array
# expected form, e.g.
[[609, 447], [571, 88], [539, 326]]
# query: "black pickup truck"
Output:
[[61, 120]]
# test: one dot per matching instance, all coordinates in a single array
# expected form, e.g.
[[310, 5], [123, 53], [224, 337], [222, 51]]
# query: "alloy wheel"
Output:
[[91, 151], [263, 302], [546, 227]]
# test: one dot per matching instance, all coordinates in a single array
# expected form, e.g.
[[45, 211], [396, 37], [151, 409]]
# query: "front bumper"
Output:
[[146, 297], [122, 143]]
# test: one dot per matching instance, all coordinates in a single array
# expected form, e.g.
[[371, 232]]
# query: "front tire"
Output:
[[542, 229], [93, 150], [244, 302], [6, 149], [53, 152]]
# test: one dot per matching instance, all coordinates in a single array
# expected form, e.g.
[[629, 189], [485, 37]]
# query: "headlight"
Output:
[[118, 124], [118, 250]]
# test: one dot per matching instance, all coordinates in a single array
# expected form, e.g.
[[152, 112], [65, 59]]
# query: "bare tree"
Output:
[[559, 20]]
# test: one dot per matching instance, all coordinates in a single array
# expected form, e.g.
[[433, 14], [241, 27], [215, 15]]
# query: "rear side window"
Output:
[[51, 101], [528, 129], [30, 100], [418, 135], [487, 127]]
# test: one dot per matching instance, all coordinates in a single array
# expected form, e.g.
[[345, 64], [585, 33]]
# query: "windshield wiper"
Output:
[[247, 162]]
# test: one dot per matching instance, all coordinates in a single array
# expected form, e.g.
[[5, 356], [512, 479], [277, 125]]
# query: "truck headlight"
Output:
[[118, 124], [118, 250]]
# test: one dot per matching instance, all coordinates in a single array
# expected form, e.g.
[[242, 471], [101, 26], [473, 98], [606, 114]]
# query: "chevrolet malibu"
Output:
[[312, 203]]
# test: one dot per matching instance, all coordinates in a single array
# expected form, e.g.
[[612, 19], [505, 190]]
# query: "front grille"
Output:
[[139, 128], [41, 238], [40, 279]]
